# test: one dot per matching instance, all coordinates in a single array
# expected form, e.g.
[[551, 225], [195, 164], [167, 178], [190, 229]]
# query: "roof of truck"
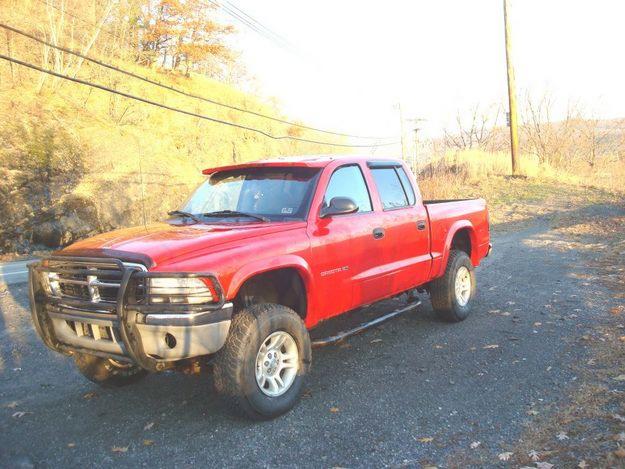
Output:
[[312, 161]]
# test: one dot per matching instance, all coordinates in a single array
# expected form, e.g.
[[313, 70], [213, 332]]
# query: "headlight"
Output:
[[185, 290], [50, 283]]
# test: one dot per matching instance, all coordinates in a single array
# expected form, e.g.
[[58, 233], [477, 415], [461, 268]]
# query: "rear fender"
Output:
[[455, 228]]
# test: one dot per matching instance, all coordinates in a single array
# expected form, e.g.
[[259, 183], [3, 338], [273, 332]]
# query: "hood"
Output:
[[161, 242]]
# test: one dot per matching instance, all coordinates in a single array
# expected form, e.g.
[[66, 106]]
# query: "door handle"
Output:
[[421, 225], [378, 233]]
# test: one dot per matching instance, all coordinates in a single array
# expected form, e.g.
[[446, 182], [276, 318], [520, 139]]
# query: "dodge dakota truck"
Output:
[[258, 256]]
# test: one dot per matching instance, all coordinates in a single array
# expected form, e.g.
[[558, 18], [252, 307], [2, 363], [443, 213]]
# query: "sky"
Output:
[[354, 61]]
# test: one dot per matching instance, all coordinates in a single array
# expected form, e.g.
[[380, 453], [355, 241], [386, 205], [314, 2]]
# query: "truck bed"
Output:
[[446, 216]]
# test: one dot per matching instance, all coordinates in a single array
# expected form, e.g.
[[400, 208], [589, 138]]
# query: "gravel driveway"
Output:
[[413, 392]]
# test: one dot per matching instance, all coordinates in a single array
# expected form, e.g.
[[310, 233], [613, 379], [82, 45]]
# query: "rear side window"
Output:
[[407, 185], [390, 187], [348, 181]]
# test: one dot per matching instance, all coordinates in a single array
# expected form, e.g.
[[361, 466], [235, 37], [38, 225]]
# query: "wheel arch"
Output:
[[461, 236], [287, 281]]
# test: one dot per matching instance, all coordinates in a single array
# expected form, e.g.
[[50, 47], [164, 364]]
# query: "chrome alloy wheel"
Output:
[[277, 364], [463, 286]]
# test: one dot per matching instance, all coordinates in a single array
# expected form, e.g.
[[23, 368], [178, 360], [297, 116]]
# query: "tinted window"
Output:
[[389, 187], [349, 182], [407, 185]]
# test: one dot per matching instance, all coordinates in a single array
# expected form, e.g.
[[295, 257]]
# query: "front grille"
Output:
[[82, 301], [97, 283]]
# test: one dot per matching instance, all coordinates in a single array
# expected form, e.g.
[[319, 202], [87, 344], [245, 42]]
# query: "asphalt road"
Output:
[[413, 392], [13, 273]]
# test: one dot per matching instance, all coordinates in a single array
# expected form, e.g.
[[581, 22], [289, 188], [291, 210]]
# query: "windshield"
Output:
[[279, 194]]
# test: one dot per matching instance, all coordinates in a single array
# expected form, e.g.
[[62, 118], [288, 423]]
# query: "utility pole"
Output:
[[514, 133], [401, 130], [416, 149], [417, 122]]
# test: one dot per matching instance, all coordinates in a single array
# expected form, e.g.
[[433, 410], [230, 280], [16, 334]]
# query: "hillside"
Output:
[[76, 160]]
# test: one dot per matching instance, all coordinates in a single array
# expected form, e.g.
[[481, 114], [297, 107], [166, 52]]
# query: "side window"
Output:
[[348, 181], [390, 188], [407, 185]]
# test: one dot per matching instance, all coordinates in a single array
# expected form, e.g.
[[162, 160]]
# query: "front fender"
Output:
[[265, 265]]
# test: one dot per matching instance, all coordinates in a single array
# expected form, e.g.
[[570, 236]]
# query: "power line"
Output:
[[273, 33], [183, 111], [254, 25], [177, 90]]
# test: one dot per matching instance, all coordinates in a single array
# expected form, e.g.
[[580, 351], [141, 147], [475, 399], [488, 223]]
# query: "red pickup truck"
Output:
[[259, 255]]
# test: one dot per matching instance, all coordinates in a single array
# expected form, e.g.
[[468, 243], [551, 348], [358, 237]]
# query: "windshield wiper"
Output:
[[235, 213], [180, 213]]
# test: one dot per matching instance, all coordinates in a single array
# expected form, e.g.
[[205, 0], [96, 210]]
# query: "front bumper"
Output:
[[151, 336]]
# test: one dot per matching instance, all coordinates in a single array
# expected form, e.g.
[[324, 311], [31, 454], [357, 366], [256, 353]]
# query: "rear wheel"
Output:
[[452, 294], [261, 368], [106, 371]]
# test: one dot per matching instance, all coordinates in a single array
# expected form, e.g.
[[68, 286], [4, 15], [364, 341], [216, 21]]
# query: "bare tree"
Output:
[[476, 130]]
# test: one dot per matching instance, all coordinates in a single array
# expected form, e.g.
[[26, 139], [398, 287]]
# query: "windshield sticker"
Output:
[[287, 210]]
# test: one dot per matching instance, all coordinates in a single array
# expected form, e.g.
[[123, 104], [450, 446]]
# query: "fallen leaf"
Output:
[[619, 378], [491, 346], [375, 341], [475, 444], [438, 346], [534, 456], [148, 426], [89, 395], [620, 436], [618, 417], [616, 310], [532, 412], [425, 439], [19, 415], [505, 456], [71, 445], [334, 410], [11, 405], [148, 442], [119, 449], [582, 464], [622, 338], [537, 324], [620, 453], [307, 394], [562, 436], [543, 465]]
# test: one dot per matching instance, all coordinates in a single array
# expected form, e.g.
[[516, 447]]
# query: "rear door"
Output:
[[345, 251], [405, 222]]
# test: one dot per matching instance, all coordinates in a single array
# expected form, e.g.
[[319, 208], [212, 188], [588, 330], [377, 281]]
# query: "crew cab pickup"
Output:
[[258, 256]]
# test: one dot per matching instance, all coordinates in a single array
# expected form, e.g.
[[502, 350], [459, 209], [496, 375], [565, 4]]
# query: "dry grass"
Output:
[[515, 199]]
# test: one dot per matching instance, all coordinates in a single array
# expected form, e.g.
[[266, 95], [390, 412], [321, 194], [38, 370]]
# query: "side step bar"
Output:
[[365, 325]]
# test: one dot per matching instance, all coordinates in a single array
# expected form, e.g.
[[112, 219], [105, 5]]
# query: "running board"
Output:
[[366, 325]]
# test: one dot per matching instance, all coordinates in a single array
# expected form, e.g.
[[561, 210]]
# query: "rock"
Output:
[[48, 233]]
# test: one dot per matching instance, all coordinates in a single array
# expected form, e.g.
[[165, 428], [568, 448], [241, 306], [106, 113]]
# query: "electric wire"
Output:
[[183, 111], [178, 90]]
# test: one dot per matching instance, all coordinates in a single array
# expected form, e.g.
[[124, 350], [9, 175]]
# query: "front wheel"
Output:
[[261, 368], [107, 372], [452, 294]]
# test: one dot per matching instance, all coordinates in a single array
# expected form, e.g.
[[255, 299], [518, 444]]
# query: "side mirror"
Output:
[[339, 206]]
